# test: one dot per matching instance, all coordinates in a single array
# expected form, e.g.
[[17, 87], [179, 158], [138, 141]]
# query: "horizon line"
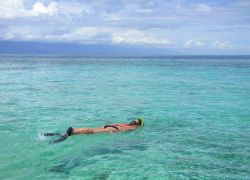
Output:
[[82, 55]]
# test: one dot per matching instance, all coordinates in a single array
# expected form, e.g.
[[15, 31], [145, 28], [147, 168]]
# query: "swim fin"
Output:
[[62, 138], [51, 134]]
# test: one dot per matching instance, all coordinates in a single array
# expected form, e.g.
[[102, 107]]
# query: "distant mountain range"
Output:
[[16, 47], [11, 47]]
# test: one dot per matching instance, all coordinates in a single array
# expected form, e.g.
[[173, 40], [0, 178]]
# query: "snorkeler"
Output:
[[112, 128]]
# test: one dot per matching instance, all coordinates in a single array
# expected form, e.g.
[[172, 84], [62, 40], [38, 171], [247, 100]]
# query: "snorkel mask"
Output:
[[138, 121], [142, 120]]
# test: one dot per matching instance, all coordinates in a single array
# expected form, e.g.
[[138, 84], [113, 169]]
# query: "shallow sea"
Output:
[[196, 109]]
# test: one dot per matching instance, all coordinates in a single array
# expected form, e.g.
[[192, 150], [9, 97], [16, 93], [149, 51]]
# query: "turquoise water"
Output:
[[196, 109]]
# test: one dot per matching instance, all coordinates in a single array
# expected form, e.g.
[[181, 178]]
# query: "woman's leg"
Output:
[[76, 131], [82, 131]]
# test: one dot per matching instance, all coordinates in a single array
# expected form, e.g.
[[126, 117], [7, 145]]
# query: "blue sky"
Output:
[[180, 26]]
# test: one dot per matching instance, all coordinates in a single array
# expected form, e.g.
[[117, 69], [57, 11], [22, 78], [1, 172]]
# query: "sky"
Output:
[[157, 27]]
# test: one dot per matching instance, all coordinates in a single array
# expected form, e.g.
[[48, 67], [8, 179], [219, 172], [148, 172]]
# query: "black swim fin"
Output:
[[62, 138], [51, 134]]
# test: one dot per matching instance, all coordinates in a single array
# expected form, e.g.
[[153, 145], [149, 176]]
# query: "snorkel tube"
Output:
[[142, 120]]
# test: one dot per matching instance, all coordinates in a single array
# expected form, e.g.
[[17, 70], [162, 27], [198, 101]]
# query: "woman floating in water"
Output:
[[105, 129]]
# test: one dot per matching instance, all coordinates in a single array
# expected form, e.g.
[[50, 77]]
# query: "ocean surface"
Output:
[[196, 110]]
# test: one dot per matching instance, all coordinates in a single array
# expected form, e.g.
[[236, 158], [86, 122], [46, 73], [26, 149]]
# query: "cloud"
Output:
[[111, 17], [15, 8], [96, 34], [203, 8], [192, 44], [10, 8], [73, 8], [144, 10], [88, 35], [132, 36], [222, 45], [39, 8]]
